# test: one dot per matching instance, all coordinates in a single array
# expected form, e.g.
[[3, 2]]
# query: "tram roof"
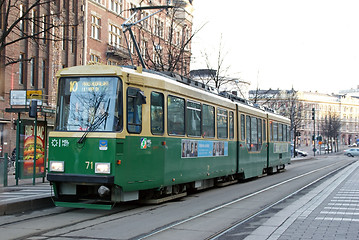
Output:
[[179, 83]]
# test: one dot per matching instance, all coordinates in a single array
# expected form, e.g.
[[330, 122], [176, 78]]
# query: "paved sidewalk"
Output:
[[330, 211], [25, 196]]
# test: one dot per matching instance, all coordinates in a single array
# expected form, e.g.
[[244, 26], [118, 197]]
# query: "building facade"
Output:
[[344, 106], [51, 35]]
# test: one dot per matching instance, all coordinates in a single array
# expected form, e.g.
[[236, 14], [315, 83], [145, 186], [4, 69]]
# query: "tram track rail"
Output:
[[245, 220]]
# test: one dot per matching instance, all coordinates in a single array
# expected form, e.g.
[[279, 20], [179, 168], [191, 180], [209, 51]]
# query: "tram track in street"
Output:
[[242, 221]]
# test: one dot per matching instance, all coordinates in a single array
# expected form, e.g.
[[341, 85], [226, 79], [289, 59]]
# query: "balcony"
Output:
[[117, 51]]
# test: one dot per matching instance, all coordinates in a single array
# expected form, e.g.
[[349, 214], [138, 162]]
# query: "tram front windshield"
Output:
[[88, 104]]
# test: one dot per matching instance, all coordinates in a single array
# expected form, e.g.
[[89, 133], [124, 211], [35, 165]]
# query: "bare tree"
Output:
[[330, 127], [219, 76], [35, 22], [285, 103]]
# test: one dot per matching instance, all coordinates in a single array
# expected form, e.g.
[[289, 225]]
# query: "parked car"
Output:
[[351, 152], [353, 145], [301, 153]]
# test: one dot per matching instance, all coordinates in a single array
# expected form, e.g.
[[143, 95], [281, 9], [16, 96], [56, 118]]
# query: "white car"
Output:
[[351, 152]]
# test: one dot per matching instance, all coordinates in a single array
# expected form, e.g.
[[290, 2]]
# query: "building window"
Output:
[[95, 27], [43, 73], [33, 20], [157, 53], [111, 62], [94, 58], [145, 22], [114, 35], [21, 68], [64, 38], [73, 39], [32, 72], [158, 27], [21, 14], [144, 46], [115, 6]]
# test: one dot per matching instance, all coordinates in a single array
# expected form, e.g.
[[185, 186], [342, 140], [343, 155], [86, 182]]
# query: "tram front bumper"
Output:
[[78, 178]]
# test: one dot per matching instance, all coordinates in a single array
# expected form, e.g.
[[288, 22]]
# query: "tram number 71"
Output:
[[89, 165]]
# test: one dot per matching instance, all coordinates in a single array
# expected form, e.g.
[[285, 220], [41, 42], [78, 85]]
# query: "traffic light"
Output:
[[33, 109], [313, 113]]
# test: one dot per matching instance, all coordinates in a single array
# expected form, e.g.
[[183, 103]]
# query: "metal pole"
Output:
[[17, 149], [35, 136], [314, 131], [5, 169]]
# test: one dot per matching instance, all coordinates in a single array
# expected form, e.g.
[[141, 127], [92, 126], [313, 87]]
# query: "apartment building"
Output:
[[344, 106]]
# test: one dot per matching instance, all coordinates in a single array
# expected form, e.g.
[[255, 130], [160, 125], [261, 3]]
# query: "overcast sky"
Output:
[[308, 44]]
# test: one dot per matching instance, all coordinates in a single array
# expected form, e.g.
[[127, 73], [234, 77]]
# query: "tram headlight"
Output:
[[57, 166], [103, 168]]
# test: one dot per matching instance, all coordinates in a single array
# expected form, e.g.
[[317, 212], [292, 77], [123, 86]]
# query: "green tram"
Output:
[[124, 134]]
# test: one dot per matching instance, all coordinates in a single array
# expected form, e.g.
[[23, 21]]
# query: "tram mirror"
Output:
[[141, 97]]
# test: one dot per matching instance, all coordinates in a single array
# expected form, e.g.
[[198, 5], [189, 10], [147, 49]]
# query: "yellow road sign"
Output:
[[34, 94]]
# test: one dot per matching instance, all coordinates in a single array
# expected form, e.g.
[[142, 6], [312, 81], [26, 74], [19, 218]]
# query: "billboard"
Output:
[[29, 151]]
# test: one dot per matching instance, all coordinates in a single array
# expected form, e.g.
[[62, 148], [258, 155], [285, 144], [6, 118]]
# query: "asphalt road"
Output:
[[197, 216]]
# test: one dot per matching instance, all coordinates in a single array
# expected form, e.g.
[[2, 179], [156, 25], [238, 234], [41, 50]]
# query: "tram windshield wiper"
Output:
[[94, 126], [96, 123]]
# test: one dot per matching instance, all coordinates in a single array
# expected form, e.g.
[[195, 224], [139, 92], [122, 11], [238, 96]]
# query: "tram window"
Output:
[[254, 134], [284, 133], [157, 116], [222, 123], [231, 125], [248, 132], [243, 127], [89, 103], [264, 131], [275, 131], [259, 123], [288, 133], [280, 132], [134, 110], [271, 131], [208, 121], [175, 115], [193, 119]]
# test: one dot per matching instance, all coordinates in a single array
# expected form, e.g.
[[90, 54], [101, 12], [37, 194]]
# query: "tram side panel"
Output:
[[251, 163], [189, 160], [252, 150], [279, 143], [142, 163]]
